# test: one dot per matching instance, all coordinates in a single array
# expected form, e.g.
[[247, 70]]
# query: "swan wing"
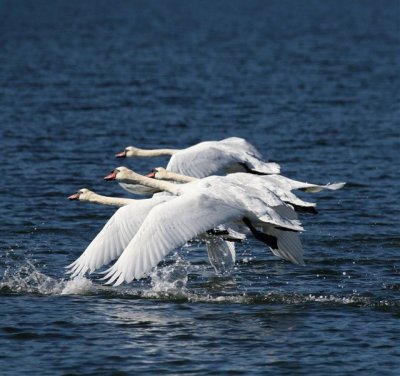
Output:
[[288, 245], [201, 160], [138, 189], [272, 185], [167, 227], [249, 155], [242, 144], [291, 184], [213, 158], [221, 254], [114, 237], [255, 164]]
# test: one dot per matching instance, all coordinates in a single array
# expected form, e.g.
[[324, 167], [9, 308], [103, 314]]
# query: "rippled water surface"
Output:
[[313, 85]]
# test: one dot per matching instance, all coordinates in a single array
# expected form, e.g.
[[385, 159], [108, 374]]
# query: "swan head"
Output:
[[129, 151], [83, 194], [159, 173], [120, 173]]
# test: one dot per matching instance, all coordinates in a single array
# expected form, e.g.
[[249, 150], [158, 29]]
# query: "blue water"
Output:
[[313, 85]]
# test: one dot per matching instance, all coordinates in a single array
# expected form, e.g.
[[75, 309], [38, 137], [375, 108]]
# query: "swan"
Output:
[[123, 225], [289, 184], [281, 190], [279, 184], [207, 158], [200, 205]]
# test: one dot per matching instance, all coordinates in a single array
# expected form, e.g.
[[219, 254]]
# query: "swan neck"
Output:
[[111, 201], [161, 185], [156, 152], [179, 178]]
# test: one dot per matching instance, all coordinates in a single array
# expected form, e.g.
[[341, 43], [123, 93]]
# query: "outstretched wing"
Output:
[[307, 187], [167, 227], [115, 236]]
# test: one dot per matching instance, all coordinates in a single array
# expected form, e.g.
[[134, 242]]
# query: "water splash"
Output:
[[27, 279], [170, 280], [77, 286]]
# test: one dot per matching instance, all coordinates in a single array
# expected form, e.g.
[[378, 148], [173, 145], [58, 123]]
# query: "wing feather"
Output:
[[167, 227], [115, 236], [307, 187], [218, 157]]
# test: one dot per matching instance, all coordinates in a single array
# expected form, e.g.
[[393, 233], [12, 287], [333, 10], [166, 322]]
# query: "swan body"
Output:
[[207, 158], [201, 205], [220, 157]]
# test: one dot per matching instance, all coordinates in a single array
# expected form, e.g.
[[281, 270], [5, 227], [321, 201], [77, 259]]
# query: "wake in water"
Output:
[[27, 279], [170, 282]]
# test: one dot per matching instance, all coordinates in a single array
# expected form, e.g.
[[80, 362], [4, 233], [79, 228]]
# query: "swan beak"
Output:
[[121, 155], [111, 176], [151, 175], [75, 196]]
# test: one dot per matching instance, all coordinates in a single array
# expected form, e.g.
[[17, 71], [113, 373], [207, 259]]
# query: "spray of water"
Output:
[[27, 279], [170, 280]]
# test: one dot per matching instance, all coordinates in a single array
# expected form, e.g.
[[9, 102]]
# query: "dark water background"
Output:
[[312, 84]]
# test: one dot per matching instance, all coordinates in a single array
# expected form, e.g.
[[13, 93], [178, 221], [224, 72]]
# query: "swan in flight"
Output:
[[199, 206], [280, 185], [207, 158], [123, 225]]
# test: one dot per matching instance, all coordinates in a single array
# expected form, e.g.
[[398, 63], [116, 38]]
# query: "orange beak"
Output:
[[122, 154], [75, 196], [111, 176]]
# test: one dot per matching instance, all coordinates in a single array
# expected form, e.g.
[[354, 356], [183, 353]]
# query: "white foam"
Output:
[[77, 286]]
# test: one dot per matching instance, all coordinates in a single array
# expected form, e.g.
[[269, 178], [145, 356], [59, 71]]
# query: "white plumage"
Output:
[[143, 232], [201, 205], [207, 158]]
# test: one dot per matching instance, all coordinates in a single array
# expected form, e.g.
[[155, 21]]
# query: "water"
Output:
[[313, 85]]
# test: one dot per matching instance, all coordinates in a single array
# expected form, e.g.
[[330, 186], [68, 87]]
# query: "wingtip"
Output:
[[336, 186]]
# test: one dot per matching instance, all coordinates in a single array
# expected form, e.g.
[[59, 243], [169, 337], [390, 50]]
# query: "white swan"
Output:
[[283, 191], [287, 183], [201, 205], [207, 158], [124, 224], [279, 184]]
